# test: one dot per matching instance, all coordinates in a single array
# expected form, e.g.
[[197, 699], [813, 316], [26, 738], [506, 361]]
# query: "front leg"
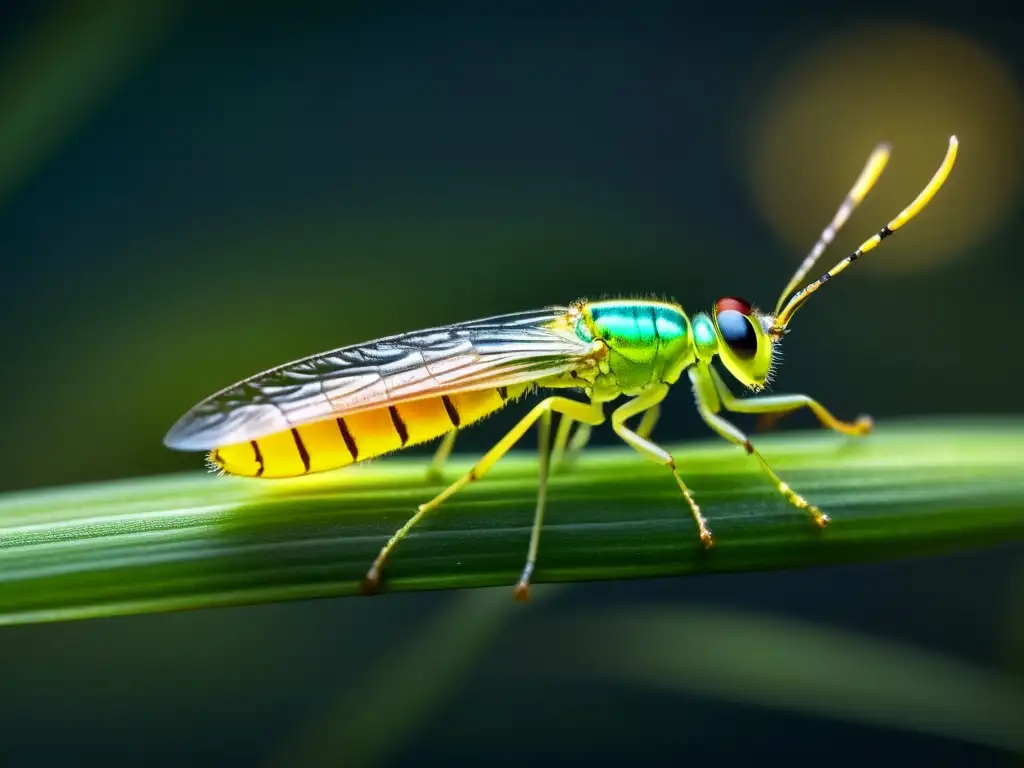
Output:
[[779, 404], [707, 399]]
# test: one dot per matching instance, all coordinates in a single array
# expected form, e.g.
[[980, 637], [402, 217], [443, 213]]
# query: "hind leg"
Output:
[[435, 472], [588, 413]]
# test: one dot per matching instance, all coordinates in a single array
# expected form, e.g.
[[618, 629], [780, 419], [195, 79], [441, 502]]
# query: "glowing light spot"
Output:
[[912, 86]]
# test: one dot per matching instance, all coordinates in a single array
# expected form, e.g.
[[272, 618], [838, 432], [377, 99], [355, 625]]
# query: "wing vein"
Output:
[[497, 352]]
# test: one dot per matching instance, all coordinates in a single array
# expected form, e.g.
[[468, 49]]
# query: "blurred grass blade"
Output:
[[363, 727], [784, 664], [192, 541], [63, 71], [1012, 633]]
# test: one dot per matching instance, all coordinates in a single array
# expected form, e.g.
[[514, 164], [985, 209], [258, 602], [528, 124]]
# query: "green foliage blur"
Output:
[[190, 193]]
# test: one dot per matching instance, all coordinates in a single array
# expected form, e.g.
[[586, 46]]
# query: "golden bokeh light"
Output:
[[913, 86]]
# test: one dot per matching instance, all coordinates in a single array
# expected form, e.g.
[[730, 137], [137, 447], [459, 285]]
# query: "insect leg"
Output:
[[579, 440], [785, 403], [708, 404], [585, 412], [561, 440], [522, 591], [649, 401], [444, 450], [649, 421], [563, 455], [565, 450]]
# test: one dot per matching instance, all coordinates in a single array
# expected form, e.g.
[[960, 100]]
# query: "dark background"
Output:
[[190, 193]]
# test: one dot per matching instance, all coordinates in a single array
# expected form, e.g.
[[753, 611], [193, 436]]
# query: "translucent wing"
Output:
[[498, 351]]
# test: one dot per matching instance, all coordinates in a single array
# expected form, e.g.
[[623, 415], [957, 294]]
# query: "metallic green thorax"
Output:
[[648, 341], [705, 337]]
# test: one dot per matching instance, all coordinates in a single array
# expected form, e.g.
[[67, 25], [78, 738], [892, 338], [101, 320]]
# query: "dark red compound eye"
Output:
[[736, 305]]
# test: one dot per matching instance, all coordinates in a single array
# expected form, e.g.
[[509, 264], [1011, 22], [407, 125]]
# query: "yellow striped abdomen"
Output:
[[334, 443]]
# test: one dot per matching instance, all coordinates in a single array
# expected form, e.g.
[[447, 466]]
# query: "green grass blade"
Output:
[[363, 724], [192, 541], [780, 663]]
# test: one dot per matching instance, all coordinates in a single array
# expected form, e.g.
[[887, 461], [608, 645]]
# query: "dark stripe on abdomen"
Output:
[[259, 456], [301, 448], [350, 442], [333, 443], [399, 424], [452, 411]]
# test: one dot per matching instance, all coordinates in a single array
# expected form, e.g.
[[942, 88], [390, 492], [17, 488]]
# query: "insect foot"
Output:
[[371, 581], [522, 590]]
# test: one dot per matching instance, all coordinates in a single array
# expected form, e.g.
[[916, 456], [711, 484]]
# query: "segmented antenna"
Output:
[[925, 196], [868, 176]]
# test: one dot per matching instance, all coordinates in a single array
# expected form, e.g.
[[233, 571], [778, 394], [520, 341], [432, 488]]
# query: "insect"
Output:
[[359, 402]]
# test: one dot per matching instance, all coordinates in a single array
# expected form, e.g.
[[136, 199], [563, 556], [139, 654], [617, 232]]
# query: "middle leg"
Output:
[[565, 450], [648, 401]]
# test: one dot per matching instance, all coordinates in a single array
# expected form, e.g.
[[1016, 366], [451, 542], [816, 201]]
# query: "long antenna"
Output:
[[925, 196], [868, 176]]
